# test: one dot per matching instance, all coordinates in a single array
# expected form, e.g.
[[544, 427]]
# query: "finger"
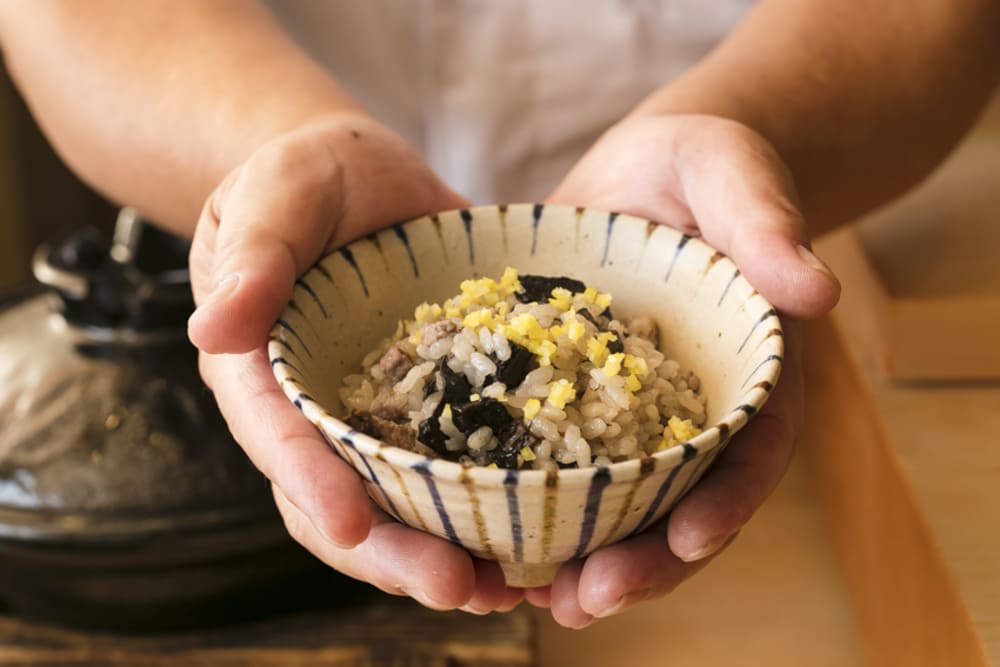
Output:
[[619, 576], [744, 201], [746, 473], [513, 597], [287, 448], [397, 559], [716, 178], [540, 597], [273, 221], [491, 589], [564, 600], [295, 199]]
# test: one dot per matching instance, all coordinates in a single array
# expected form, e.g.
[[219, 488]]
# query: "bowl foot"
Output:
[[529, 575]]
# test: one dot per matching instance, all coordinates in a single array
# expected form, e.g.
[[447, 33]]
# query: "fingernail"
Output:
[[473, 609], [815, 262], [625, 601], [425, 599], [708, 548]]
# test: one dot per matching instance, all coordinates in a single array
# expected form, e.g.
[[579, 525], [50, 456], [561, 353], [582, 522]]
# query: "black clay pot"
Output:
[[124, 502]]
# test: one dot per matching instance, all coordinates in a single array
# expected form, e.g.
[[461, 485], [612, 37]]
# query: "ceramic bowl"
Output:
[[710, 320]]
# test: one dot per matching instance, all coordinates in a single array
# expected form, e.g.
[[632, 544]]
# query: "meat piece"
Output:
[[435, 331], [539, 288], [390, 432], [391, 405], [395, 363], [643, 326]]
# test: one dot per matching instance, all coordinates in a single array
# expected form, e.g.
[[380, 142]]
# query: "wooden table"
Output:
[[375, 631]]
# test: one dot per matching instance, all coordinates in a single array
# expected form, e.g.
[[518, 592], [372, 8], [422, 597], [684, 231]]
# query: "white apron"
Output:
[[503, 96]]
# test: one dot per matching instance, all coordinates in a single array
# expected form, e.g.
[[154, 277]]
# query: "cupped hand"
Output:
[[296, 198], [722, 181]]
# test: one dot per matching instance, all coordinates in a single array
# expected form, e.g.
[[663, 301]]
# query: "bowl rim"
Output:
[[751, 400]]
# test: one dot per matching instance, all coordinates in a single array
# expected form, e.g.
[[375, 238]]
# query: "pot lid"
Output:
[[106, 429]]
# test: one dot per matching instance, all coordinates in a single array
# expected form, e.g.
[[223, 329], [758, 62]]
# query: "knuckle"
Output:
[[295, 162]]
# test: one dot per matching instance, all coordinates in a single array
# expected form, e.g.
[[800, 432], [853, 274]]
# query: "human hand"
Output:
[[721, 181], [295, 199]]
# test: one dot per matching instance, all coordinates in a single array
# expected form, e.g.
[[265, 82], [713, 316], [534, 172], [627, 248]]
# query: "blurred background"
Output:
[[40, 199]]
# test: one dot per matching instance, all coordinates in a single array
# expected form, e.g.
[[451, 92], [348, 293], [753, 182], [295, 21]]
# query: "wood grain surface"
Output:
[[384, 632], [909, 607]]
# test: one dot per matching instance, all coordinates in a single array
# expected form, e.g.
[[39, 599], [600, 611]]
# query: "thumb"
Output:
[[294, 200], [258, 232], [742, 197]]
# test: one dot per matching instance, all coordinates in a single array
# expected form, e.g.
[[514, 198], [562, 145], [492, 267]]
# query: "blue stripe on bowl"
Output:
[[400, 233], [695, 477], [677, 253], [661, 493], [348, 256], [371, 474], [284, 343], [424, 470], [607, 237], [309, 290], [466, 215], [536, 216], [768, 359], [294, 306], [689, 452], [766, 316], [301, 398], [290, 329], [732, 279], [284, 362], [600, 480], [323, 271], [516, 530]]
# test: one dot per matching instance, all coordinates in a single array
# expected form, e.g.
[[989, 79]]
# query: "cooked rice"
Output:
[[586, 389]]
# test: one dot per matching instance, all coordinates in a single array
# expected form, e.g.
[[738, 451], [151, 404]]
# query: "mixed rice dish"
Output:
[[525, 372]]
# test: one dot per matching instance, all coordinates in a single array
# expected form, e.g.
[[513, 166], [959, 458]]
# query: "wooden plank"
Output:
[[909, 607], [380, 632], [948, 439], [909, 338]]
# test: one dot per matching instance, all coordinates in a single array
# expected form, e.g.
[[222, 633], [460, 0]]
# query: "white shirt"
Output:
[[503, 96]]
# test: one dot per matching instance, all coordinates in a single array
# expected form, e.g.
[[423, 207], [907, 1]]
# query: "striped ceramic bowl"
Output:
[[710, 320]]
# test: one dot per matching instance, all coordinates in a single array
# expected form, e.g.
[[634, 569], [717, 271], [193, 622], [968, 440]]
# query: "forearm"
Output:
[[153, 102], [861, 99]]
